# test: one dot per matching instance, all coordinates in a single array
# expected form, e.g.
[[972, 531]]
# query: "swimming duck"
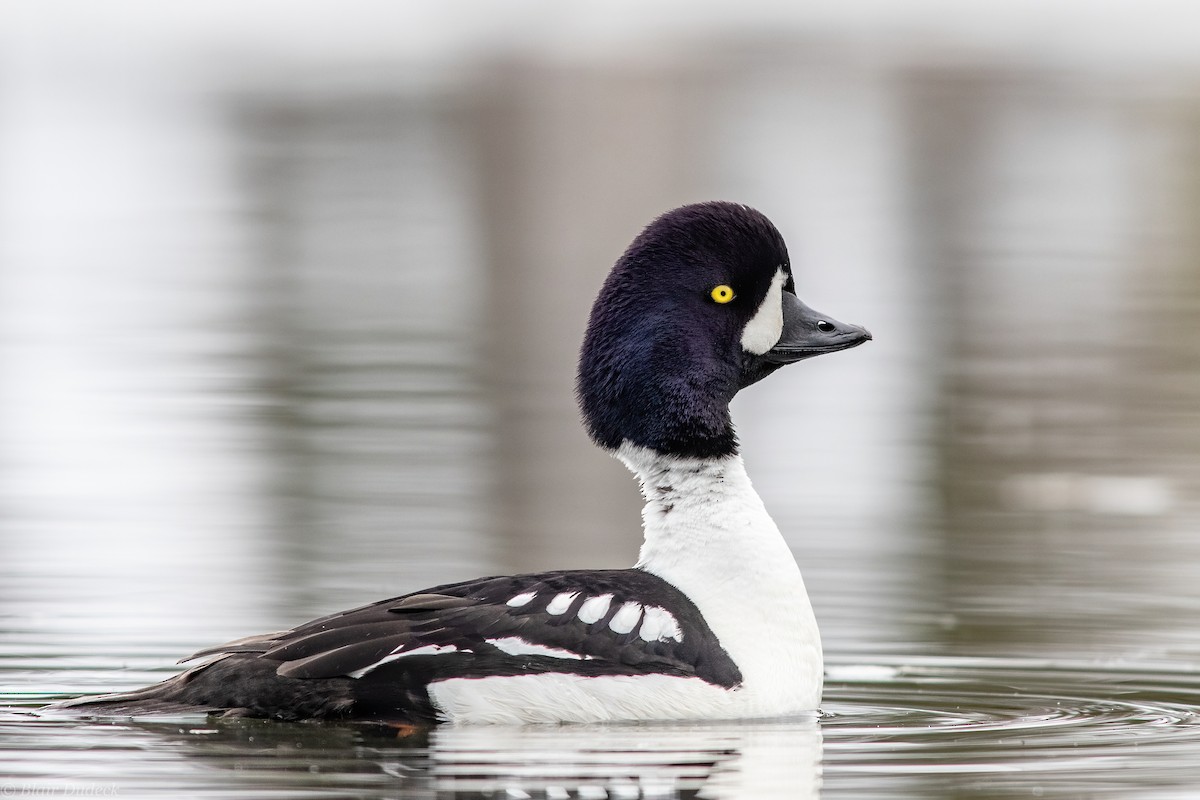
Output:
[[712, 623]]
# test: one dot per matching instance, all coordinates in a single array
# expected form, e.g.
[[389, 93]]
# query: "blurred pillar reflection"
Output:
[[574, 161], [1062, 505], [369, 300]]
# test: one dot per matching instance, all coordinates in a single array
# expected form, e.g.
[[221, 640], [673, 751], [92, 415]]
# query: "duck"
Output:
[[713, 621]]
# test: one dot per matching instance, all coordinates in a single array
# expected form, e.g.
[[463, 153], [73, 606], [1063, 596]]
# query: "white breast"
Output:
[[708, 534]]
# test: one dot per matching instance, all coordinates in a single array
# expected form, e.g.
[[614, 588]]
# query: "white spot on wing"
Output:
[[626, 619], [594, 608], [763, 330], [561, 603], [426, 650], [659, 625], [521, 599], [516, 646]]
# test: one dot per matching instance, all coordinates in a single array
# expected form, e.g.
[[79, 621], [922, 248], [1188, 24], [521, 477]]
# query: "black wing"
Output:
[[377, 661], [509, 625]]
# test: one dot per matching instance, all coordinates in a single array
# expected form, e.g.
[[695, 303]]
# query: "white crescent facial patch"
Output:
[[763, 330]]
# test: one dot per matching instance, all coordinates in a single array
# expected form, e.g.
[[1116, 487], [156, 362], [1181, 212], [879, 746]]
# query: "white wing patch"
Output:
[[653, 623], [763, 330], [627, 618], [516, 646], [561, 603], [520, 600], [426, 650], [659, 625], [594, 608]]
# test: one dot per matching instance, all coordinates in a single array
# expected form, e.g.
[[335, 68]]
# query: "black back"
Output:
[[346, 654]]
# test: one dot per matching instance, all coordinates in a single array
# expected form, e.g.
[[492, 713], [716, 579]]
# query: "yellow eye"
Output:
[[722, 293]]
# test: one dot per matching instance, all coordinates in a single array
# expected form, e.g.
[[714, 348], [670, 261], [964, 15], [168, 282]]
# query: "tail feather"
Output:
[[130, 704], [168, 697], [235, 684]]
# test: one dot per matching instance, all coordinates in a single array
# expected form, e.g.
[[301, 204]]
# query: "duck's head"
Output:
[[700, 305]]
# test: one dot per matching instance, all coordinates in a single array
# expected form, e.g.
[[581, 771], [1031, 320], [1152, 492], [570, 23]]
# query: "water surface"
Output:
[[269, 353]]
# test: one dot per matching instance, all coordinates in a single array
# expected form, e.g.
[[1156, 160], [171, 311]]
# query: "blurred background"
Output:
[[291, 294]]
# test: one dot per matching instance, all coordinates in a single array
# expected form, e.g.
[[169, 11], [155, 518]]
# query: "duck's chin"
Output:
[[754, 369]]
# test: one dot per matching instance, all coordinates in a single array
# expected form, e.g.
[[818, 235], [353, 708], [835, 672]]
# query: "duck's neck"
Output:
[[709, 535], [703, 519]]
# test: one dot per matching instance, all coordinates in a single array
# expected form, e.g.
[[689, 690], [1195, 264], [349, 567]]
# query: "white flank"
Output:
[[516, 646], [426, 650], [708, 534], [659, 625], [626, 618], [763, 330], [561, 603], [561, 697], [521, 599], [594, 608]]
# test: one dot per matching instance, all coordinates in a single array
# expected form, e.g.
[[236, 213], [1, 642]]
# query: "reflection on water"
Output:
[[205, 756], [265, 354], [909, 728]]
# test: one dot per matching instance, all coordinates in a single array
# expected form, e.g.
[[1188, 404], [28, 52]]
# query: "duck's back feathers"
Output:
[[380, 660]]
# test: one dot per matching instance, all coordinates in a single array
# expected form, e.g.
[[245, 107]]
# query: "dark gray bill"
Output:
[[808, 333]]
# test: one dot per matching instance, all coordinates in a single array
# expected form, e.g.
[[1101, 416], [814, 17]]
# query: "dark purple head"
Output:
[[702, 304]]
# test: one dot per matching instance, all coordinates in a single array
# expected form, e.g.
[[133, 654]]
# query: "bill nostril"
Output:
[[826, 327]]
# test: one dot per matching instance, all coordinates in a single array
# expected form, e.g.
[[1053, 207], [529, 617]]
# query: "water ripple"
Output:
[[900, 728], [1056, 727]]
